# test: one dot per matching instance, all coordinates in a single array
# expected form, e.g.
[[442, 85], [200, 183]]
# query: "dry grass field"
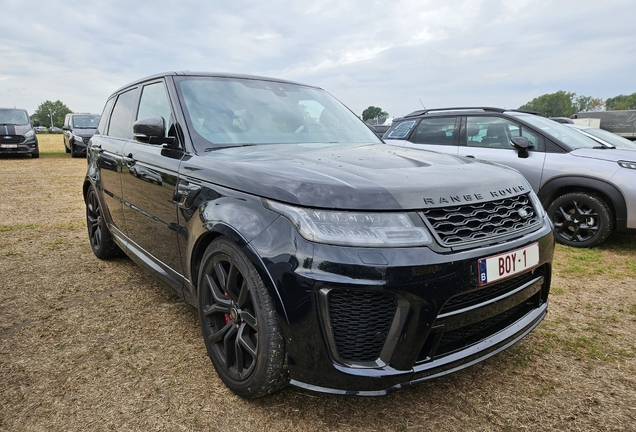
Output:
[[97, 345]]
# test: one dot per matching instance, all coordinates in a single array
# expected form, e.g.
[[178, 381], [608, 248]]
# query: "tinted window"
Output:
[[104, 119], [155, 102], [439, 130], [120, 124], [85, 121]]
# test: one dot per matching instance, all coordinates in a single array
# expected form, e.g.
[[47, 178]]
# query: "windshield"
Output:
[[558, 131], [236, 111], [615, 140], [13, 117], [85, 121]]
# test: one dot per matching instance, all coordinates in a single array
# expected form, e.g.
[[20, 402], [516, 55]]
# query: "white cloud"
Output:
[[387, 54]]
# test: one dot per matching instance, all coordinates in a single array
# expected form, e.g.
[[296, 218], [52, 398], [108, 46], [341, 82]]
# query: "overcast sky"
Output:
[[390, 54]]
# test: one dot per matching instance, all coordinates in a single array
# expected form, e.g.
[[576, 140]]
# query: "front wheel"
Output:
[[239, 324], [580, 219]]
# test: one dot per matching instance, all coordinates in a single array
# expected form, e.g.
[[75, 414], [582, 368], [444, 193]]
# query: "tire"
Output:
[[35, 155], [73, 152], [580, 219], [66, 149], [100, 237], [240, 329]]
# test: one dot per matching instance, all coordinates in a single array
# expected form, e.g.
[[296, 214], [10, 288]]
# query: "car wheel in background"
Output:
[[100, 238], [238, 322], [580, 219]]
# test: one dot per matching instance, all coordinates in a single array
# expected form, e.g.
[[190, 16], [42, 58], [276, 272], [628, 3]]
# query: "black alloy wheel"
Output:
[[580, 219], [238, 322], [100, 238]]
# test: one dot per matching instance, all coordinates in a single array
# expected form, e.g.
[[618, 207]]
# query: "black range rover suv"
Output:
[[315, 254]]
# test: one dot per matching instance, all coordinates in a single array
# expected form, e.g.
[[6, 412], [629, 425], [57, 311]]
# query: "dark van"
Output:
[[17, 135], [78, 130]]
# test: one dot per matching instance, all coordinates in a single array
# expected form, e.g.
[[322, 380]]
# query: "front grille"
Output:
[[481, 221], [12, 139], [488, 292], [468, 335], [360, 322]]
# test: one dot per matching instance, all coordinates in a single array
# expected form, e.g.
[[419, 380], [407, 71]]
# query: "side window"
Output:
[[101, 127], [120, 121], [401, 130], [155, 102], [493, 132], [439, 130]]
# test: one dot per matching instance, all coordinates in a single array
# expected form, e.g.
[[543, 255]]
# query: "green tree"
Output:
[[559, 104], [563, 104], [588, 103], [55, 111], [621, 102], [373, 112]]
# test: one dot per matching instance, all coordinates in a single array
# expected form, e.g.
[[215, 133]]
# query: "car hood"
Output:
[[611, 155], [355, 176], [84, 132], [14, 129]]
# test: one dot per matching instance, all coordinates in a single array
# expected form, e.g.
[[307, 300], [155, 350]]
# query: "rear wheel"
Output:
[[238, 322], [101, 240], [580, 219]]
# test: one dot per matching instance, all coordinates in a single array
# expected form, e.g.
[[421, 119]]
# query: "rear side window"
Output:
[[101, 127], [439, 130], [402, 130], [120, 121]]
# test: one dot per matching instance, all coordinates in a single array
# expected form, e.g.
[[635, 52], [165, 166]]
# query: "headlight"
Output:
[[29, 134], [627, 164], [350, 228], [78, 138]]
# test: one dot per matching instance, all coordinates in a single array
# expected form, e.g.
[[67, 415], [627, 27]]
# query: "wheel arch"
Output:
[[606, 191], [220, 230]]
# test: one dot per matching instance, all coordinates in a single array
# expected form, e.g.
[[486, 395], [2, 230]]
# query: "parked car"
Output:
[[380, 129], [17, 135], [78, 130], [315, 254], [586, 188], [605, 138], [55, 130]]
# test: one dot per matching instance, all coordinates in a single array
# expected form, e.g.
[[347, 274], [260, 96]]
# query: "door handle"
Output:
[[185, 193], [130, 160]]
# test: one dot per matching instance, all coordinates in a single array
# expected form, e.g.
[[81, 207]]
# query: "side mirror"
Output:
[[65, 127], [151, 130], [521, 144]]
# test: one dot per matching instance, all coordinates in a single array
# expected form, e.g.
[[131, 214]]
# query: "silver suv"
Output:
[[588, 189]]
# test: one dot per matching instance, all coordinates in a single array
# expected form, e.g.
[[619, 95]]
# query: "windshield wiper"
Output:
[[209, 149]]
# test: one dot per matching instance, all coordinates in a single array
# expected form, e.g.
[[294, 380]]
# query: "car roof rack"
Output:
[[485, 109]]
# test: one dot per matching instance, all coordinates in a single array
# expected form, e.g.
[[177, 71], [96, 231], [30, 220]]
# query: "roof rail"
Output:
[[485, 109]]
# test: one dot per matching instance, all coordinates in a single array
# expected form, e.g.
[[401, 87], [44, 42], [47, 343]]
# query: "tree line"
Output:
[[51, 114], [564, 104]]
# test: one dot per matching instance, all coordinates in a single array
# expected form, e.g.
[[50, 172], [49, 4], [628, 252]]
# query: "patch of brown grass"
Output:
[[98, 345]]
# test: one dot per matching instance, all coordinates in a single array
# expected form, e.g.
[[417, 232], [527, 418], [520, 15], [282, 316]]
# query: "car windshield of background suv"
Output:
[[13, 117], [85, 122], [556, 130]]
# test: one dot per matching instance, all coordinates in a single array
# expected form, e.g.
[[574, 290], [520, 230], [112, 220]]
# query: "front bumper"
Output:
[[19, 145], [368, 321]]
